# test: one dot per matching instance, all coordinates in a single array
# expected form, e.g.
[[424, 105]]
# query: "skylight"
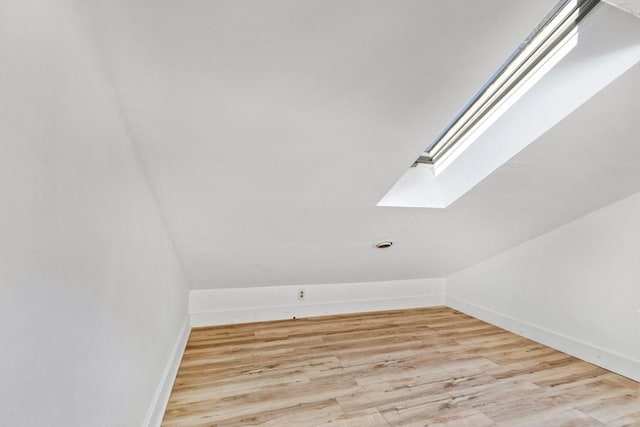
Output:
[[608, 47], [543, 48]]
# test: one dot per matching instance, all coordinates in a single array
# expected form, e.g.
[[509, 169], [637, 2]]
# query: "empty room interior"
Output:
[[319, 213]]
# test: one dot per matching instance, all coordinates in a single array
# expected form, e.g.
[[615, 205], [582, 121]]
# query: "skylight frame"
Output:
[[527, 61]]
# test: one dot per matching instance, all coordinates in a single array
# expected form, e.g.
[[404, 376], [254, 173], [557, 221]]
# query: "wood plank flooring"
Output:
[[419, 367]]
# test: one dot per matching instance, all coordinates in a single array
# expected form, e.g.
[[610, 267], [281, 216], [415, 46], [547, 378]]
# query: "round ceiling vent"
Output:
[[384, 245]]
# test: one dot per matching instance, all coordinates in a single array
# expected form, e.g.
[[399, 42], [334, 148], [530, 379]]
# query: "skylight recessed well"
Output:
[[545, 46], [609, 45]]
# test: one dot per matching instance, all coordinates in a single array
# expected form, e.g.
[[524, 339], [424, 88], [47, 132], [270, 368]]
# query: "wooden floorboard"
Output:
[[419, 367]]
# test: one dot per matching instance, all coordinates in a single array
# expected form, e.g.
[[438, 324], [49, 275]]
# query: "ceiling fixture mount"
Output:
[[543, 48], [384, 245]]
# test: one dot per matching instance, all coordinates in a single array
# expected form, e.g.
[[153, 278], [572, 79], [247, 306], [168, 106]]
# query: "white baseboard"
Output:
[[163, 391], [210, 307], [242, 305], [599, 356]]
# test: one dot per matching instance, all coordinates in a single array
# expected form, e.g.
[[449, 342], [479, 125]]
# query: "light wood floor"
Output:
[[419, 367]]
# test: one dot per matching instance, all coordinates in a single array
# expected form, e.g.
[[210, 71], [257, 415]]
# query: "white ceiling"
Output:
[[270, 130], [630, 6]]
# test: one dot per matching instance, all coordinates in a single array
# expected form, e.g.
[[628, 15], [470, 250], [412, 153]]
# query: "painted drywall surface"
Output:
[[271, 130], [580, 281], [92, 297], [630, 6], [224, 306]]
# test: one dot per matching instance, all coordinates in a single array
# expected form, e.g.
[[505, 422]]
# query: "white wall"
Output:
[[576, 288], [254, 304], [92, 298]]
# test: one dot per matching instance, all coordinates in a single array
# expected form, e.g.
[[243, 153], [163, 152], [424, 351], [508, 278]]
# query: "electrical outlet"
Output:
[[300, 294]]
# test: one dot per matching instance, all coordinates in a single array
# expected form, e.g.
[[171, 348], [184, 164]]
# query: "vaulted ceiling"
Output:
[[270, 130]]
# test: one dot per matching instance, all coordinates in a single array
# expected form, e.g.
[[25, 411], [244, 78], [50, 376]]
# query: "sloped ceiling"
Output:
[[270, 130]]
